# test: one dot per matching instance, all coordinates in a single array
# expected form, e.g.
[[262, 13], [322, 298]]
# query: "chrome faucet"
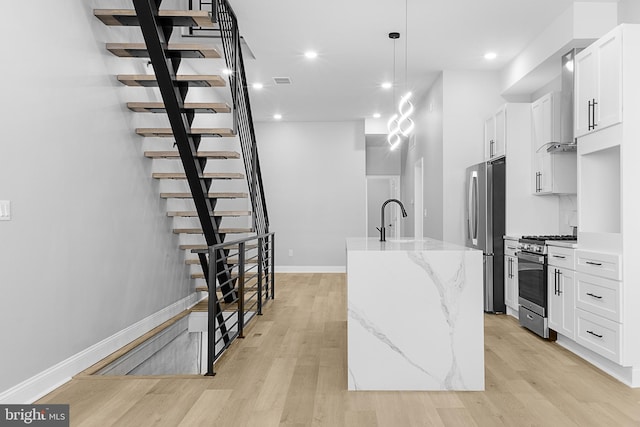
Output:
[[382, 229]]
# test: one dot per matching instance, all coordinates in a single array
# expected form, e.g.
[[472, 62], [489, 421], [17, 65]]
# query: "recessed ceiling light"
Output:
[[277, 116], [386, 85], [310, 54], [258, 86], [227, 72], [376, 115], [490, 56]]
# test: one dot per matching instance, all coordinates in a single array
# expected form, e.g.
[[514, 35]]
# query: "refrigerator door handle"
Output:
[[473, 207]]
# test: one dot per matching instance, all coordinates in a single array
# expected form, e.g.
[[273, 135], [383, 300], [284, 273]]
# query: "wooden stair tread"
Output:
[[220, 195], [234, 261], [168, 132], [190, 214], [206, 175], [204, 154], [224, 230], [196, 107], [179, 18], [175, 50], [149, 80], [203, 247]]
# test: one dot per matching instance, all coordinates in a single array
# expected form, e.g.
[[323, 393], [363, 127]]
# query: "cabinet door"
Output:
[[585, 89], [561, 283], [608, 110], [489, 138], [511, 282], [543, 173], [542, 122], [500, 133]]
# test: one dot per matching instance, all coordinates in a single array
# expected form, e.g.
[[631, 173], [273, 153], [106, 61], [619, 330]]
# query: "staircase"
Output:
[[240, 271]]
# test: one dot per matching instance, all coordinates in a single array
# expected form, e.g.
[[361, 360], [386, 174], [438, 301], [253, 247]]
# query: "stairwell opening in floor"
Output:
[[178, 347]]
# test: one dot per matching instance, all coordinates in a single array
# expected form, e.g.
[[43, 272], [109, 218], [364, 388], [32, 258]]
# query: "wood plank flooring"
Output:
[[290, 370]]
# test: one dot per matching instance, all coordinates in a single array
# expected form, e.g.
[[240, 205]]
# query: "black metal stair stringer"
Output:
[[156, 38]]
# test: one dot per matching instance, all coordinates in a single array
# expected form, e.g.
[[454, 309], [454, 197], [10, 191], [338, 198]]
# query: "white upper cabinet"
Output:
[[598, 87], [495, 135], [553, 173]]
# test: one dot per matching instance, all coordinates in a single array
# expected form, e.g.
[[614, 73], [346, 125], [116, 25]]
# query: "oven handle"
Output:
[[530, 257]]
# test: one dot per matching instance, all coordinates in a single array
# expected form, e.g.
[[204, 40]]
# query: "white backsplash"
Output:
[[568, 211]]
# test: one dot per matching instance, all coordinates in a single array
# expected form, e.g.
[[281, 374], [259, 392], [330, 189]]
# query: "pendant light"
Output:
[[400, 124]]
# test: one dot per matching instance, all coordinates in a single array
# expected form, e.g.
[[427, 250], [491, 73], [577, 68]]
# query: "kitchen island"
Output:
[[415, 315]]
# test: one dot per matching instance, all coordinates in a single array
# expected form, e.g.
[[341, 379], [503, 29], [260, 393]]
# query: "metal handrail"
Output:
[[242, 118], [264, 290]]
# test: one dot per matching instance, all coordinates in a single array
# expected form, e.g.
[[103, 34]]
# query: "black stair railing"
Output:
[[242, 117], [173, 93]]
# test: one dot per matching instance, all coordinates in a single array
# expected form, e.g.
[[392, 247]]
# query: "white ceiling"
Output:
[[356, 55]]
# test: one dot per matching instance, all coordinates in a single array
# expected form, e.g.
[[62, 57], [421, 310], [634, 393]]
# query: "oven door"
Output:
[[532, 282]]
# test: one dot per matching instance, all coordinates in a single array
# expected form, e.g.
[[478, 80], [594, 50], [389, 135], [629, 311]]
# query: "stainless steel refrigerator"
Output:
[[484, 220]]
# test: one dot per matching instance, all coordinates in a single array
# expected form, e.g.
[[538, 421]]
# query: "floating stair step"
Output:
[[176, 50], [234, 261], [203, 154], [206, 175], [196, 107], [229, 230], [203, 247], [210, 195], [149, 80], [167, 132], [178, 18], [189, 214]]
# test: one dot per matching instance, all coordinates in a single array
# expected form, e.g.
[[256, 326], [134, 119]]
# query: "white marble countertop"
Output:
[[408, 244], [511, 237]]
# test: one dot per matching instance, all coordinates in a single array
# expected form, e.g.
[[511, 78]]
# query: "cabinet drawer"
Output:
[[599, 296], [510, 247], [599, 334], [561, 257], [601, 264]]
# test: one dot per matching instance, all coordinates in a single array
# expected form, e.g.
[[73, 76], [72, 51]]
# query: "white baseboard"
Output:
[[311, 269], [48, 380], [628, 375]]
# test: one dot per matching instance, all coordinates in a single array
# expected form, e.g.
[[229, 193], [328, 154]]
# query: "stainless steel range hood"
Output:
[[567, 141]]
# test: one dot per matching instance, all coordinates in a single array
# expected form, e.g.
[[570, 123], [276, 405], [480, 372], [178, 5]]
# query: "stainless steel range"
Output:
[[532, 282]]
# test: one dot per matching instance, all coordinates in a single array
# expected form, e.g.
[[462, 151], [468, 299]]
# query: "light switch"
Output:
[[5, 210]]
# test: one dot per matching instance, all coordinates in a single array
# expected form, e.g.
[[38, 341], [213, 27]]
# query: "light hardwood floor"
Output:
[[291, 370]]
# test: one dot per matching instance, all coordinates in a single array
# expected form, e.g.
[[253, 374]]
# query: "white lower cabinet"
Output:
[[561, 284], [561, 298], [599, 303], [599, 334], [511, 276]]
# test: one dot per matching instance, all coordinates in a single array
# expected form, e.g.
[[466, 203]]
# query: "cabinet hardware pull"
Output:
[[593, 114], [559, 281], [593, 263], [589, 109], [559, 256], [511, 247], [594, 334], [530, 317], [555, 282], [594, 296]]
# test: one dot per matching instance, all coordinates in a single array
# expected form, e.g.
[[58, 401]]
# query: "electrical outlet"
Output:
[[290, 252], [5, 210]]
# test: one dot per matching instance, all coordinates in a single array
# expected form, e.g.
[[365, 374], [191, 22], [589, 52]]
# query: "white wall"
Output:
[[379, 159], [428, 146], [89, 250], [314, 178], [469, 98], [629, 12]]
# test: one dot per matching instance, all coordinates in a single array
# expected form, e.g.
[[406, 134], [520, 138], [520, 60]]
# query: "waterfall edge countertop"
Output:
[[415, 318], [426, 244]]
